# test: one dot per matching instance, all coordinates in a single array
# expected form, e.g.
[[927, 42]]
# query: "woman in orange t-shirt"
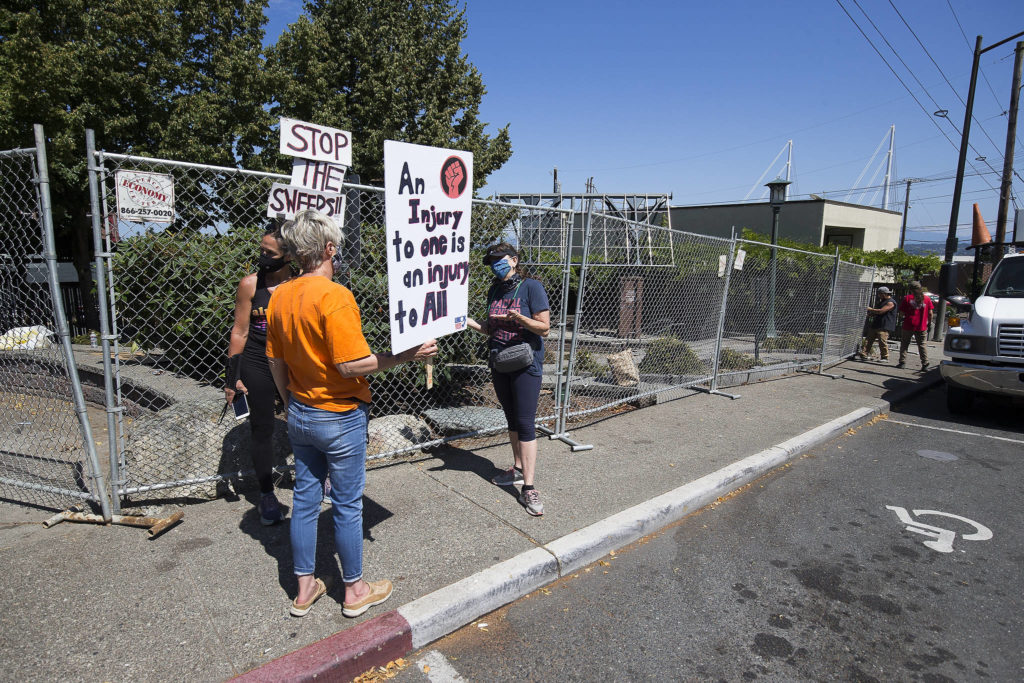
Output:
[[319, 358]]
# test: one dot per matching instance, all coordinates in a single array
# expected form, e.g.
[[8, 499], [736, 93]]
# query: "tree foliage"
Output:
[[905, 266], [173, 78], [183, 79], [387, 70], [191, 80]]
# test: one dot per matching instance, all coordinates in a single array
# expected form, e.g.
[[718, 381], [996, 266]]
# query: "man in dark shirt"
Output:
[[881, 326]]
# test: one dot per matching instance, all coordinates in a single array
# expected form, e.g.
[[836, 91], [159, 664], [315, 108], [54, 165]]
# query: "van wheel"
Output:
[[958, 400]]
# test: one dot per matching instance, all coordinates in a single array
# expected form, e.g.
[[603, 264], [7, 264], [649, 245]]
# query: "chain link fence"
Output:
[[776, 311], [46, 457], [648, 316], [639, 313], [852, 295], [170, 290]]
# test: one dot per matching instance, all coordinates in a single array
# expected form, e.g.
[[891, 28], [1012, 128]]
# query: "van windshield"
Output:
[[1008, 280]]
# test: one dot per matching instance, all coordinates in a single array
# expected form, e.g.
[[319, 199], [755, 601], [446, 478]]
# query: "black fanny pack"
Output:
[[511, 358]]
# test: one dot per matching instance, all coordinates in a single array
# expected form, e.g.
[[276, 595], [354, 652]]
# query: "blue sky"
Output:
[[697, 98]]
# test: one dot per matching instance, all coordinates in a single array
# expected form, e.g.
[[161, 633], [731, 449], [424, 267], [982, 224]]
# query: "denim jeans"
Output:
[[325, 444]]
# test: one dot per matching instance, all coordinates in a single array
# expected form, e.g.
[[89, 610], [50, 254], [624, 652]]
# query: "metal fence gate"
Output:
[[47, 456]]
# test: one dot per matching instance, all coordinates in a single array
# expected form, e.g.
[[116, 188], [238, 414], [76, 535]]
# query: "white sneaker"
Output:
[[509, 477]]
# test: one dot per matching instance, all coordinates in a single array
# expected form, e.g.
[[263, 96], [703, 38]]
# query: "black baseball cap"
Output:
[[497, 252]]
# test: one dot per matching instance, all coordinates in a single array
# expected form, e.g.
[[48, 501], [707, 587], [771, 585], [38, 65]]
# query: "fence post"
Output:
[[562, 381], [50, 254], [721, 313], [563, 435], [828, 313], [101, 297]]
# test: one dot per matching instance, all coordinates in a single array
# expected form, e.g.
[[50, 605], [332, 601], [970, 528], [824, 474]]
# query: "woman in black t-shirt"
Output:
[[248, 370], [517, 312]]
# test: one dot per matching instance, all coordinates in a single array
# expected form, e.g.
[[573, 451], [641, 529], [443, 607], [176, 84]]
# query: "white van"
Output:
[[986, 345]]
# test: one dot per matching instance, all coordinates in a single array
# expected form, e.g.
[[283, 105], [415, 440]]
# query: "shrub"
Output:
[[730, 359], [671, 356], [800, 343], [585, 363]]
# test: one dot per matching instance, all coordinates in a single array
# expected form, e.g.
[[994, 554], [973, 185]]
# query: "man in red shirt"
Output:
[[917, 310]]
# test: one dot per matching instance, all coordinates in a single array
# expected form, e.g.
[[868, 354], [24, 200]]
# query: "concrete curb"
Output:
[[395, 634]]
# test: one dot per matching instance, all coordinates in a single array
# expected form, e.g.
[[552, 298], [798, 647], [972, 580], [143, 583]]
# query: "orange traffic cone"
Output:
[[980, 234]]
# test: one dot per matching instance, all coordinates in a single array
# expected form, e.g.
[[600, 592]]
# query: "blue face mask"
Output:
[[501, 268]]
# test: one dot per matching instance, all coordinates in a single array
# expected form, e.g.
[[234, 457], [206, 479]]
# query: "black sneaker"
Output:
[[269, 509], [901, 365]]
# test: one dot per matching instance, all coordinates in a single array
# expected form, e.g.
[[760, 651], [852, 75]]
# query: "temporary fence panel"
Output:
[[544, 261], [777, 309], [648, 314], [172, 290], [852, 296], [47, 456]]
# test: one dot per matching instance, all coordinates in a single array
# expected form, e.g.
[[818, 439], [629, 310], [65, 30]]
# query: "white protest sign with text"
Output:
[[428, 199], [145, 197], [318, 175], [317, 143], [288, 200]]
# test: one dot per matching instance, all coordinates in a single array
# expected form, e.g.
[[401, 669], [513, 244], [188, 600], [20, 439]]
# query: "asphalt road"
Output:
[[807, 574]]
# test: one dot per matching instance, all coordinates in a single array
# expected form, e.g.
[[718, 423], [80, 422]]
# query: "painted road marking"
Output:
[[942, 538], [954, 431], [437, 668]]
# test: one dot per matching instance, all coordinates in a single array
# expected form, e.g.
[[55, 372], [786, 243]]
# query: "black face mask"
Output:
[[269, 264]]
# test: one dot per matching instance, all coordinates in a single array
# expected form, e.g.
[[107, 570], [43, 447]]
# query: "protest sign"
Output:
[[318, 175], [428, 193], [288, 200], [144, 197], [317, 143]]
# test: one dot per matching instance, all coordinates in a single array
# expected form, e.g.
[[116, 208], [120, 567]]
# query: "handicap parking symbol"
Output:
[[942, 539]]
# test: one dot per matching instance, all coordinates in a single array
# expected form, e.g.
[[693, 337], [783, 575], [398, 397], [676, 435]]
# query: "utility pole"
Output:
[[906, 207], [1011, 134], [958, 186]]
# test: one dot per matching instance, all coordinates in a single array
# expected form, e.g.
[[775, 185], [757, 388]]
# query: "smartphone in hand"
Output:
[[241, 406]]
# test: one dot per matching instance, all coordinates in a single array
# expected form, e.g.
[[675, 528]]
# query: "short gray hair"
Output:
[[307, 236]]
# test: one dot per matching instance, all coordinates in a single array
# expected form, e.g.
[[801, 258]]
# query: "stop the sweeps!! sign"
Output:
[[145, 197]]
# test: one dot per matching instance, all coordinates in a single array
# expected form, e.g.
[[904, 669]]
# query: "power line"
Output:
[[911, 71], [943, 73], [968, 41], [905, 86]]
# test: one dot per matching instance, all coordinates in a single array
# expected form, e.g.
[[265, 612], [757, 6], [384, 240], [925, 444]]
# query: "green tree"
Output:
[[182, 79], [392, 69], [905, 265]]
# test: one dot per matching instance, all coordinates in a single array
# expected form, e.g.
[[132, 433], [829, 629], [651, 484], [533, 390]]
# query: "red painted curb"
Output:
[[344, 655]]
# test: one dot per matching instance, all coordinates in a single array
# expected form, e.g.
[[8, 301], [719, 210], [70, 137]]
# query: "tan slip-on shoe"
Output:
[[300, 610], [379, 592]]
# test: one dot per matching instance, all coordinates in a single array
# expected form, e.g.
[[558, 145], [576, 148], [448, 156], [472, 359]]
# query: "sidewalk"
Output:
[[208, 600]]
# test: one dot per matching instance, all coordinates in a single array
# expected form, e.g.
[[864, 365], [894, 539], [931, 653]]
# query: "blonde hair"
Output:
[[306, 237]]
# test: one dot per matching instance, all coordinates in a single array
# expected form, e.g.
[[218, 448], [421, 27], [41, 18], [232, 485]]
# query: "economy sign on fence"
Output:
[[145, 197], [428, 200]]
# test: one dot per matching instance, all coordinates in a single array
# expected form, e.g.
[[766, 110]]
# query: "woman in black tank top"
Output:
[[248, 370]]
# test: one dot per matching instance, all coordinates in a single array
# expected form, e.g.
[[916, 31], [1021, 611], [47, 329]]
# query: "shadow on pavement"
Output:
[[276, 542], [461, 460]]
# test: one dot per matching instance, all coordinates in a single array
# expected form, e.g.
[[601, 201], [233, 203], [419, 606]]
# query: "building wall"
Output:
[[808, 221], [871, 229]]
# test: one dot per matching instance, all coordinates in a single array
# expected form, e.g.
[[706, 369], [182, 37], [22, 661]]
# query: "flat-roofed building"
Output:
[[820, 222]]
